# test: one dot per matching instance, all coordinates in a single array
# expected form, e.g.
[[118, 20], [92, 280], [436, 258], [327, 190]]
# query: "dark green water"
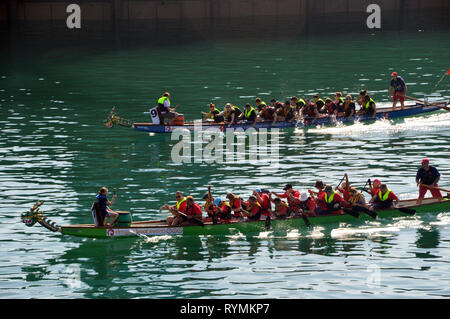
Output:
[[53, 147]]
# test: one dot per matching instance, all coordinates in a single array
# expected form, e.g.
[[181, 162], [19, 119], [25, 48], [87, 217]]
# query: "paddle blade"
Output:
[[267, 226], [407, 211], [351, 212], [306, 220]]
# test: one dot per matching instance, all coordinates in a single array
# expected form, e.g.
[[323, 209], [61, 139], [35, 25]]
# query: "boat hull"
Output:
[[381, 114], [158, 228]]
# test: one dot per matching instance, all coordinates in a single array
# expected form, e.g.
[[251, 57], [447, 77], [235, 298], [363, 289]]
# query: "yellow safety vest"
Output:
[[330, 199], [247, 113], [180, 202], [385, 196], [162, 99], [368, 103]]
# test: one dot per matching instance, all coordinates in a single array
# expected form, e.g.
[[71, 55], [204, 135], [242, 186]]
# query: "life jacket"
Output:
[[250, 209], [285, 205], [160, 105], [301, 101], [225, 215], [266, 113], [329, 200], [265, 209], [385, 196], [288, 110], [211, 113], [180, 202], [355, 199], [247, 113], [367, 105], [320, 100]]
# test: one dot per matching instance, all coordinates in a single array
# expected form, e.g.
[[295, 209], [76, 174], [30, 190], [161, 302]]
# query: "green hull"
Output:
[[157, 228]]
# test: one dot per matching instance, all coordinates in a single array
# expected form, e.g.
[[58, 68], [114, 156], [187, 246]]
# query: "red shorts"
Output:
[[434, 192], [399, 96]]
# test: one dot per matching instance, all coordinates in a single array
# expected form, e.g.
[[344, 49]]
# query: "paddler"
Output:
[[384, 199], [332, 200], [222, 209], [249, 115], [164, 109], [329, 108], [180, 206], [235, 204], [297, 103], [193, 210], [375, 187], [259, 104], [281, 208], [368, 107], [307, 204], [213, 114], [266, 113], [209, 205], [253, 209], [106, 212], [292, 195], [339, 101], [427, 177], [231, 113], [318, 103], [263, 200]]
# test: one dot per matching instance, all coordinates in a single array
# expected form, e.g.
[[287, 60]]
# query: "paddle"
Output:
[[434, 187], [406, 210], [195, 220], [350, 212], [214, 217], [436, 104], [340, 182]]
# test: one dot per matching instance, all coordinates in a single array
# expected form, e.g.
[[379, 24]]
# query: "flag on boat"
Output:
[[448, 72]]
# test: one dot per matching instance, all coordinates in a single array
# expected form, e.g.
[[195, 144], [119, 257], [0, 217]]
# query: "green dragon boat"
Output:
[[160, 228]]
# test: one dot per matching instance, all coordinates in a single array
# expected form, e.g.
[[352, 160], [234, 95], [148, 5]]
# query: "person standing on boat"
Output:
[[107, 213], [384, 199], [164, 109], [399, 87], [427, 176]]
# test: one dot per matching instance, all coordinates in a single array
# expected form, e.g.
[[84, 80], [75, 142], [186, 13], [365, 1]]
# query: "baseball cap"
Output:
[[217, 201], [394, 74], [287, 186], [425, 160]]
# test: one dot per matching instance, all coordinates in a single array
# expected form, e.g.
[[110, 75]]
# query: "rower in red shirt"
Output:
[[223, 209], [264, 200], [307, 204], [384, 199], [332, 202], [253, 210], [281, 209], [193, 210], [375, 187], [292, 196], [319, 185], [235, 203]]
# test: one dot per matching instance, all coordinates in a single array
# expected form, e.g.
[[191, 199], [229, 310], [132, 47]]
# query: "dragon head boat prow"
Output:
[[35, 215]]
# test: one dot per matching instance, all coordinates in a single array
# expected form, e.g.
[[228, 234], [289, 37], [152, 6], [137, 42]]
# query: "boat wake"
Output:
[[434, 122]]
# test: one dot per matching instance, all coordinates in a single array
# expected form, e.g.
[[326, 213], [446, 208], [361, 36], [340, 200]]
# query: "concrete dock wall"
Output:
[[17, 11]]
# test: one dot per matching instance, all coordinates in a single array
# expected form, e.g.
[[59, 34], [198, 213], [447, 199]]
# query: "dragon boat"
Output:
[[125, 227], [381, 113]]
